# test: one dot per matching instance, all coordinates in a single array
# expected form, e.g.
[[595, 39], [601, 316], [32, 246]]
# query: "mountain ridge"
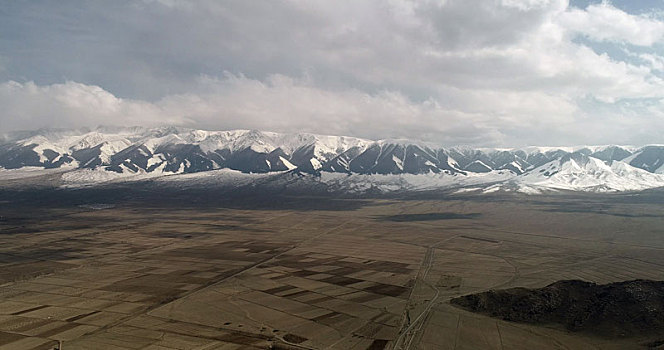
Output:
[[176, 150]]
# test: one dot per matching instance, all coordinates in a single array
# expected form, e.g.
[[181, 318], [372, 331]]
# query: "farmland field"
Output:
[[308, 272]]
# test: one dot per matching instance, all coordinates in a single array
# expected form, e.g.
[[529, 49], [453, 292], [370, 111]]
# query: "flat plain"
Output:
[[309, 272]]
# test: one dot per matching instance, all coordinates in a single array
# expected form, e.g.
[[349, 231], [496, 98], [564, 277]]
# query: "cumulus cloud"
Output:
[[71, 104], [458, 72]]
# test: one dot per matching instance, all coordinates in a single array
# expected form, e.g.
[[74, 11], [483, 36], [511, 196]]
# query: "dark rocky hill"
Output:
[[619, 309]]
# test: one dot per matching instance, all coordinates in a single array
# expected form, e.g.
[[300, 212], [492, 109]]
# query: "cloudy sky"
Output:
[[475, 72]]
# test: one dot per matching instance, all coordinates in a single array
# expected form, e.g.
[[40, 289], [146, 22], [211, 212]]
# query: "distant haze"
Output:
[[453, 72]]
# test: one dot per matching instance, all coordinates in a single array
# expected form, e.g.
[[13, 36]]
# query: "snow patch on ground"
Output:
[[28, 172], [468, 189], [91, 177], [359, 183], [213, 177], [528, 190]]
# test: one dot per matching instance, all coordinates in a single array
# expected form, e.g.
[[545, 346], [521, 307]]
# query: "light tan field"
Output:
[[378, 275]]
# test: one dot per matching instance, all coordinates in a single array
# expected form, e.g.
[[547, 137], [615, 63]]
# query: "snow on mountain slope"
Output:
[[108, 154], [584, 173], [135, 149], [328, 147], [477, 166], [650, 158]]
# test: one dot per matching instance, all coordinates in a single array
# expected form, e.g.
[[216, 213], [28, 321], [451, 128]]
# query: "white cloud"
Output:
[[287, 105], [526, 5], [604, 22], [656, 62], [72, 104], [455, 71]]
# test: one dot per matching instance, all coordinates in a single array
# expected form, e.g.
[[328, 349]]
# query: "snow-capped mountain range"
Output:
[[338, 162]]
